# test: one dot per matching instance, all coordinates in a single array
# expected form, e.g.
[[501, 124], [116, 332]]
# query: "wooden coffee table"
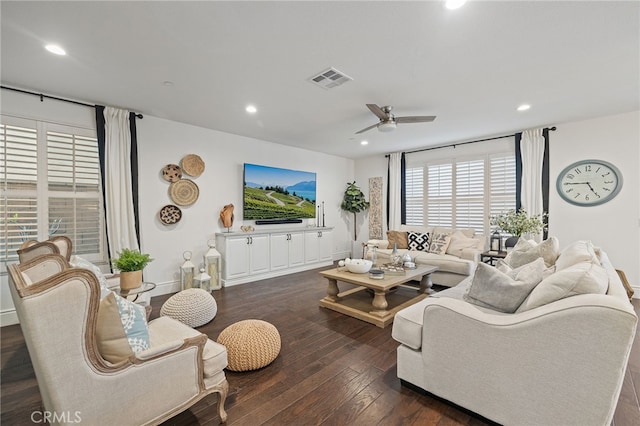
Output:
[[382, 307]]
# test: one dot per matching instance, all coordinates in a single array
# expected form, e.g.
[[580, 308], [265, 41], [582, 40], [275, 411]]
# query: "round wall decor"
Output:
[[172, 172], [193, 165], [184, 192], [589, 182], [170, 214]]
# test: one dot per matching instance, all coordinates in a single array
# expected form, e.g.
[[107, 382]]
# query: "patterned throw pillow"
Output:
[[122, 328], [439, 243], [418, 241]]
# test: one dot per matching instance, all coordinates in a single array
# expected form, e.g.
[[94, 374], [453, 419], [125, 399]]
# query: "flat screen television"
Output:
[[272, 193]]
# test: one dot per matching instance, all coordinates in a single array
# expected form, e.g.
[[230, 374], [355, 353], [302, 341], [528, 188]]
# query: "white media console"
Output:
[[260, 254]]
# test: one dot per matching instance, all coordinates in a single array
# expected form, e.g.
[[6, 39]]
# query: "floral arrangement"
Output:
[[519, 222]]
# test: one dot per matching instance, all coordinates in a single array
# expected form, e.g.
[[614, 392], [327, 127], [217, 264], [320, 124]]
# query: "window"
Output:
[[50, 178], [460, 193]]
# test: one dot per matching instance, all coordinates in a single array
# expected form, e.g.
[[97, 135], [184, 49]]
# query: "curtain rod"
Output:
[[42, 96], [553, 129]]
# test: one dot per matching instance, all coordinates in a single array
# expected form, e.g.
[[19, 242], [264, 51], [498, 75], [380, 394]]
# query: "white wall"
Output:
[[614, 226], [161, 142]]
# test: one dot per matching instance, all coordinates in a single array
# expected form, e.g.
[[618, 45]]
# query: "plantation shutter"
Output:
[[414, 184], [502, 183], [469, 195], [440, 195], [18, 195]]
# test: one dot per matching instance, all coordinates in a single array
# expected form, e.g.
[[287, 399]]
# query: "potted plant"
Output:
[[518, 223], [354, 202], [130, 263]]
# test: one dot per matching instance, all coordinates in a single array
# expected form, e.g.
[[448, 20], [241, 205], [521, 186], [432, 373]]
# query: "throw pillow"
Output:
[[80, 262], [460, 241], [526, 251], [399, 238], [121, 329], [577, 252], [418, 241], [439, 243], [502, 292], [582, 278]]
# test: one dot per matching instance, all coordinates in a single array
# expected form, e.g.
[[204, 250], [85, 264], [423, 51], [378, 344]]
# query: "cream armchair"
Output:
[[58, 311]]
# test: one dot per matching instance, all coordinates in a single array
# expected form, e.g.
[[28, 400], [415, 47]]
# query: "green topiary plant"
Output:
[[131, 260], [354, 202]]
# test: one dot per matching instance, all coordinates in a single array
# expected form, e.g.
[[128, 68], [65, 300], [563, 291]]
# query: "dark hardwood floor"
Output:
[[331, 370]]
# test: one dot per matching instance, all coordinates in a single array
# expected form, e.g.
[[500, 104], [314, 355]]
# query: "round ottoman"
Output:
[[251, 344], [193, 307]]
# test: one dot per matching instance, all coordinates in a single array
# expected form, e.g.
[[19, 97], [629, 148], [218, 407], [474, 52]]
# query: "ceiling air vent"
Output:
[[330, 78]]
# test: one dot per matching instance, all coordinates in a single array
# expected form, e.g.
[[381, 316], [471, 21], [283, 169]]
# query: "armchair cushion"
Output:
[[526, 251], [80, 262], [398, 237], [122, 329], [502, 292]]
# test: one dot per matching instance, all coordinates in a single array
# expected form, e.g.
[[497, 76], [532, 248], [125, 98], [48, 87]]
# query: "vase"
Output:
[[130, 280], [511, 242]]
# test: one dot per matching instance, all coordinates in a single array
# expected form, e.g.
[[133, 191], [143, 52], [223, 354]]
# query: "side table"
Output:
[[491, 257], [134, 295]]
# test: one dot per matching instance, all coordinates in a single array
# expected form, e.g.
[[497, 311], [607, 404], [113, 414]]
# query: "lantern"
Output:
[[202, 280], [186, 271], [212, 265], [495, 242]]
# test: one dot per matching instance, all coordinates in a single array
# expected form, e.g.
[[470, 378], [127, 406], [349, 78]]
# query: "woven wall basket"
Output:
[[172, 172], [184, 192], [193, 165]]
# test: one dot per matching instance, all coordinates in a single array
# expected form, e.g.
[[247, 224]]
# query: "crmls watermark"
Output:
[[53, 417]]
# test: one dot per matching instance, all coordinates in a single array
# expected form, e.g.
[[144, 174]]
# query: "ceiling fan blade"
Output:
[[367, 128], [416, 119], [377, 111]]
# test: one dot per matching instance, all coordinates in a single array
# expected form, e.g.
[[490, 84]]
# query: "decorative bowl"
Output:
[[358, 266]]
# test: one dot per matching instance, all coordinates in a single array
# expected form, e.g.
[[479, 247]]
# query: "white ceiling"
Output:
[[471, 67]]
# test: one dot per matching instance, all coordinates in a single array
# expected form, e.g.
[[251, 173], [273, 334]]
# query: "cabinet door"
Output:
[[259, 254], [279, 245], [296, 249], [236, 257], [325, 246], [311, 248]]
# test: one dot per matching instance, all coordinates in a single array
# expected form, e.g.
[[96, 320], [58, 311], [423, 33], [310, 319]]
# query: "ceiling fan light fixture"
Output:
[[387, 126]]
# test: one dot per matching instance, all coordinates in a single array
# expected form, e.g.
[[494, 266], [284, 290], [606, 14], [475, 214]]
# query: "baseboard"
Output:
[[8, 317]]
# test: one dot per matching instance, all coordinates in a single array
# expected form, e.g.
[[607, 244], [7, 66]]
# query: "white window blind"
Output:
[[440, 195], [502, 183], [469, 199], [414, 189], [461, 193], [51, 186]]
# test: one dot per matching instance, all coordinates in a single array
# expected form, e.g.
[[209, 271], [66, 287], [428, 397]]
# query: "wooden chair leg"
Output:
[[626, 284]]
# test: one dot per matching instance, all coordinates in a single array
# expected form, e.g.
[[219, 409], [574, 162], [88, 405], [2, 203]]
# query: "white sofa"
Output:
[[561, 363], [455, 265]]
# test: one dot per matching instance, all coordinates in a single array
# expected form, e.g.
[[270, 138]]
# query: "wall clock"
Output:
[[589, 182]]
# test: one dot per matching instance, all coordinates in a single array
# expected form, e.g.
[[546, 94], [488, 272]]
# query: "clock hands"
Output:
[[583, 183]]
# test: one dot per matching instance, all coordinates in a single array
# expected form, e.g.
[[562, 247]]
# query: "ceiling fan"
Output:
[[388, 121]]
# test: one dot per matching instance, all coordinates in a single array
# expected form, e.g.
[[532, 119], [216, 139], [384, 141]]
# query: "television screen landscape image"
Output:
[[272, 193]]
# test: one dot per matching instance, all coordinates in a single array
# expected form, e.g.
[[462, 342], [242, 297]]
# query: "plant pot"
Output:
[[130, 280]]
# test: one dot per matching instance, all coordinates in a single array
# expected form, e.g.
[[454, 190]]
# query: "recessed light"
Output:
[[524, 107], [54, 48], [251, 109], [364, 143], [454, 4]]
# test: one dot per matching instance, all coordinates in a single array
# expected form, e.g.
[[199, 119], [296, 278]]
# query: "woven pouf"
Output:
[[251, 344], [193, 307]]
